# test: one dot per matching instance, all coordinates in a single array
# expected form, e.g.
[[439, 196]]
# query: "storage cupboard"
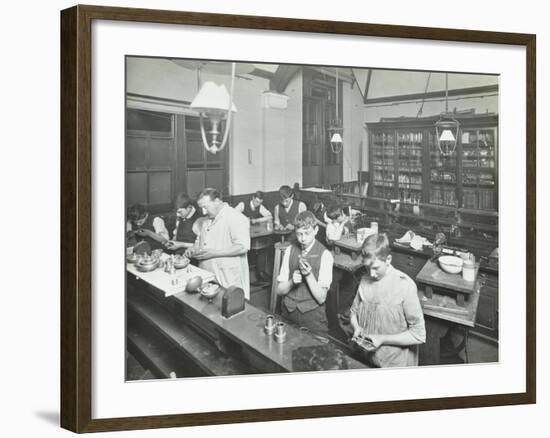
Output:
[[406, 164]]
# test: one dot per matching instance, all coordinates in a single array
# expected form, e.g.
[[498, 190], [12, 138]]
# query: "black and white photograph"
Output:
[[285, 218]]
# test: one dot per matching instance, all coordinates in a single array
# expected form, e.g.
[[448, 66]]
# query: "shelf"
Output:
[[422, 217], [492, 213], [479, 226], [477, 185], [478, 169], [443, 168], [411, 171], [447, 183]]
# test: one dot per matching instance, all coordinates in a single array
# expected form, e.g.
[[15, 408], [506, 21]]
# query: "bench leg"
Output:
[[428, 291]]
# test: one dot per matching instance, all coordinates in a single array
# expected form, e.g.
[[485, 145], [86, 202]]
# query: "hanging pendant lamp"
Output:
[[447, 127]]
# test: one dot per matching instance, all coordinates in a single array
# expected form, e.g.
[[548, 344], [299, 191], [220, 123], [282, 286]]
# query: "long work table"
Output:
[[242, 336]]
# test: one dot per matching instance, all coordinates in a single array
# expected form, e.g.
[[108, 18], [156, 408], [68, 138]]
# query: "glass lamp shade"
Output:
[[336, 138], [447, 135], [213, 100]]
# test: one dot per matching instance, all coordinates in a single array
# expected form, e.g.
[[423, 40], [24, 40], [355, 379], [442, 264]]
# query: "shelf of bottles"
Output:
[[409, 177], [383, 164], [443, 175], [479, 165]]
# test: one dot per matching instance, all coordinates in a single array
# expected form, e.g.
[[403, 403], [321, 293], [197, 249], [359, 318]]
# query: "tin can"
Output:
[[468, 270]]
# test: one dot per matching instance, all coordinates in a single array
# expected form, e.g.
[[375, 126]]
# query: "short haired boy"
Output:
[[149, 229], [286, 211], [386, 315], [180, 224], [254, 209], [336, 223], [305, 277]]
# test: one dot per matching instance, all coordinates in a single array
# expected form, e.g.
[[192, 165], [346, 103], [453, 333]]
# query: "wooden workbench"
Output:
[[243, 332], [443, 314]]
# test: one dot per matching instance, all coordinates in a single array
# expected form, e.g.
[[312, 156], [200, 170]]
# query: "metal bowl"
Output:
[[131, 258], [147, 265], [451, 264], [210, 290]]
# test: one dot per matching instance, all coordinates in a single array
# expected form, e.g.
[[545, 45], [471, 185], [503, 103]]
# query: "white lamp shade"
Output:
[[447, 135], [212, 99], [336, 138]]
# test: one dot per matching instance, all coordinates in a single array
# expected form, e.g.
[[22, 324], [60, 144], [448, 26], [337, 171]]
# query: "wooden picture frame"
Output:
[[76, 217]]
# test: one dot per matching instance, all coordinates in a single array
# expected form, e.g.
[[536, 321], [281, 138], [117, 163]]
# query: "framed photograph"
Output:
[[267, 218]]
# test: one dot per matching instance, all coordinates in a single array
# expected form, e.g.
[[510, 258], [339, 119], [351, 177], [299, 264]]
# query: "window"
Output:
[[150, 157]]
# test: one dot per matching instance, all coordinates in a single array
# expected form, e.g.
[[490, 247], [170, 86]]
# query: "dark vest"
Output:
[[249, 213], [300, 296], [184, 231], [288, 218]]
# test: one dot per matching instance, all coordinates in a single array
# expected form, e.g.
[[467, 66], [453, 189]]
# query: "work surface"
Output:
[[170, 284], [247, 330], [433, 275]]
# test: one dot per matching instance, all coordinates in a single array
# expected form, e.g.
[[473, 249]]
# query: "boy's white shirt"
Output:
[[158, 225], [335, 230]]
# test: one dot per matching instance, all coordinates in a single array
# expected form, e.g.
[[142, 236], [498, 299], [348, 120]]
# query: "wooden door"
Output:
[[312, 152], [320, 165]]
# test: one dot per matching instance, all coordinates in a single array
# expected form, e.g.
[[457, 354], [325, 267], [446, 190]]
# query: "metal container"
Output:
[[280, 332], [468, 271], [147, 265], [180, 262], [269, 325]]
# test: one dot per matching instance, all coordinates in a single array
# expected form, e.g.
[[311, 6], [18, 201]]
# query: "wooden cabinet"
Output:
[[405, 163], [408, 263], [487, 311]]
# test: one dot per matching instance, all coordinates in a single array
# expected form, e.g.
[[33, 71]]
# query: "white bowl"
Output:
[[451, 264]]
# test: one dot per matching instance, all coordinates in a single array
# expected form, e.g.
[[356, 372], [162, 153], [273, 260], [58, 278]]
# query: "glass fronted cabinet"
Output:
[[383, 164], [410, 150], [479, 168], [406, 163], [443, 182]]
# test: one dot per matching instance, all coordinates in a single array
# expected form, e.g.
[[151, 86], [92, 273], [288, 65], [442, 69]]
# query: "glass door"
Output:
[[383, 159], [479, 164], [409, 177], [443, 175]]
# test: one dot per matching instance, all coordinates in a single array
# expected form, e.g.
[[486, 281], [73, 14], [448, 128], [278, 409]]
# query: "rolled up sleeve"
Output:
[[325, 269], [160, 227], [264, 211], [240, 231]]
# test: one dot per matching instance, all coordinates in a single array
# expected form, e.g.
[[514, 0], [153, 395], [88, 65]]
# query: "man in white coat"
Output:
[[222, 242]]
